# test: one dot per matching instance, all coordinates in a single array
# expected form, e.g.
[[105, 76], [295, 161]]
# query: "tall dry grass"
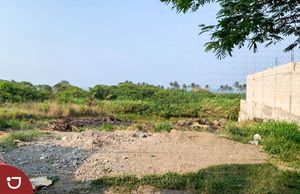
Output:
[[46, 110]]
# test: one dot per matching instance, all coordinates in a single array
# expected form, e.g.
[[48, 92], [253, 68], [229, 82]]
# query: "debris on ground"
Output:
[[77, 158], [2, 134], [256, 139], [40, 182], [72, 124], [200, 124], [141, 134]]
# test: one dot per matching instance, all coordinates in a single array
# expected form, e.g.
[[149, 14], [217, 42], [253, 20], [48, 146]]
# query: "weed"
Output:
[[107, 127], [235, 178], [162, 127], [281, 139], [139, 127]]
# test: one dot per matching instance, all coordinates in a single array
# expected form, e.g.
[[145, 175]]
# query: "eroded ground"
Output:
[[79, 157]]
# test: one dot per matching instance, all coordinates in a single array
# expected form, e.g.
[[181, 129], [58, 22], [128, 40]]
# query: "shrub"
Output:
[[72, 94], [19, 92]]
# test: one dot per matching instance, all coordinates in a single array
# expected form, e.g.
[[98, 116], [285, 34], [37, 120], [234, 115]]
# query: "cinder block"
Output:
[[273, 94]]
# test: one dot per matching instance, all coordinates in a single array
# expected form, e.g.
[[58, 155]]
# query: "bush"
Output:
[[20, 92], [72, 94]]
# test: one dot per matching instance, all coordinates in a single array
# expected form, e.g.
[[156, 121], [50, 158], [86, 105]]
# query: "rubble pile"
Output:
[[72, 124], [201, 124]]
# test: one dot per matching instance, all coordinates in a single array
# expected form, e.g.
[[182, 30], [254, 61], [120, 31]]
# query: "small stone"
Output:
[[42, 158], [74, 163], [255, 142], [140, 134], [16, 141]]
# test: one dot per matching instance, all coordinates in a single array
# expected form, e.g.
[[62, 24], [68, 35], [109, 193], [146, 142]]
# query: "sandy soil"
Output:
[[78, 158]]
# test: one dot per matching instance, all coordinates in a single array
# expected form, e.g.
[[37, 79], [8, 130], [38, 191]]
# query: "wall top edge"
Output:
[[288, 67]]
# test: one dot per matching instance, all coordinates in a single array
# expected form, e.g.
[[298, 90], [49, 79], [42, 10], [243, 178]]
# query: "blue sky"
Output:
[[88, 42]]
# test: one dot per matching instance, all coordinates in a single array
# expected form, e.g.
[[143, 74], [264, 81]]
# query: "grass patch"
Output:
[[140, 118], [107, 127], [255, 178], [280, 139], [14, 124], [162, 127], [7, 142]]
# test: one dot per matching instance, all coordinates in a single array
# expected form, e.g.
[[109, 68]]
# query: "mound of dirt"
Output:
[[79, 157], [72, 124]]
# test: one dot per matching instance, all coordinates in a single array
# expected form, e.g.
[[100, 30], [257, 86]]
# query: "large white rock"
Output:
[[40, 182], [257, 137]]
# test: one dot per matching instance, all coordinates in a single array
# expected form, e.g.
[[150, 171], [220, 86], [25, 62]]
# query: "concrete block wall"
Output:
[[273, 94]]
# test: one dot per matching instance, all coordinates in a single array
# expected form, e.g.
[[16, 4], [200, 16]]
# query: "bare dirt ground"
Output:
[[79, 157]]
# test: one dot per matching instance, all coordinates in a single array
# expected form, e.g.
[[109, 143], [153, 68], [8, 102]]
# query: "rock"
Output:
[[40, 182], [42, 158], [16, 141], [74, 163], [125, 157], [255, 142], [257, 137], [140, 134]]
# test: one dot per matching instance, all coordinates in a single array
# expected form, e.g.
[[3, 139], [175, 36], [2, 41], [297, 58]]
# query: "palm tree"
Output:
[[207, 87], [192, 85], [236, 85], [184, 86], [174, 85]]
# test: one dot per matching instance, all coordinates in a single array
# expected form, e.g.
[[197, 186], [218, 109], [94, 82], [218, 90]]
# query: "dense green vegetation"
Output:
[[280, 139], [257, 178], [25, 106], [11, 91], [124, 98]]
